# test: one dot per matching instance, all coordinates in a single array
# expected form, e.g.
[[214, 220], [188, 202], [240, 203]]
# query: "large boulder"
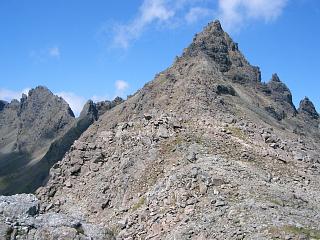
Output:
[[20, 219], [18, 206]]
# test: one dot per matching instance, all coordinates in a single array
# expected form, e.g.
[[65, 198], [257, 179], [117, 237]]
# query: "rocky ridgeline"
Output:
[[204, 151], [39, 129]]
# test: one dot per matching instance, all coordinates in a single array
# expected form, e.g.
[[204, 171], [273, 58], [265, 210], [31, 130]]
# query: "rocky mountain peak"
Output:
[[39, 129], [213, 43], [220, 50], [280, 90], [89, 109], [306, 107], [39, 90], [275, 78], [104, 106], [213, 28]]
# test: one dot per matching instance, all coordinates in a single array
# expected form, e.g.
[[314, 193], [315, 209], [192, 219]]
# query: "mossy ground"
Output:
[[138, 204], [305, 232]]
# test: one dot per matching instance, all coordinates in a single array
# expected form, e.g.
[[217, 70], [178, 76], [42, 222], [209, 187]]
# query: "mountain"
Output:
[[204, 151], [36, 133]]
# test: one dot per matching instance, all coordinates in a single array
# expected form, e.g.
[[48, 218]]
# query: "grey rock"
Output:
[[2, 104], [163, 131], [18, 206], [306, 107], [23, 221], [5, 231], [225, 89]]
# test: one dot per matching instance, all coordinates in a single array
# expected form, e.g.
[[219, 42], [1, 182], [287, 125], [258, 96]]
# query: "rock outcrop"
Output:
[[2, 104], [306, 107], [20, 219], [204, 151]]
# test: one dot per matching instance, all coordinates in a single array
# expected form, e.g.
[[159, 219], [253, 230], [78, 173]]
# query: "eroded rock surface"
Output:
[[20, 219]]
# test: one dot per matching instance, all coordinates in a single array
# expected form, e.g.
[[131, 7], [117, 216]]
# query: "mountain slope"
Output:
[[36, 133], [204, 151], [27, 129]]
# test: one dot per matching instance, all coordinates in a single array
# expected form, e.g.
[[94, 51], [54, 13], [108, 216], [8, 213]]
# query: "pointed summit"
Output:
[[89, 109], [280, 90], [216, 46], [306, 107], [275, 78], [214, 27]]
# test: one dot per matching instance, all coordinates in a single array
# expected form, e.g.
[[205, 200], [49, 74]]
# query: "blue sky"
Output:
[[99, 49]]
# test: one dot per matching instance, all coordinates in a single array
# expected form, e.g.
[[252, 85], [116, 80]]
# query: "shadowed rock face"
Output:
[[2, 104], [27, 129], [36, 133]]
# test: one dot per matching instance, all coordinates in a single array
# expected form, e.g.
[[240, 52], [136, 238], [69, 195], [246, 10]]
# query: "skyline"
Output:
[[84, 51]]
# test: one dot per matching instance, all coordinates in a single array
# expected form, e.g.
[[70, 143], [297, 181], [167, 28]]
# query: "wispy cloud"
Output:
[[121, 88], [8, 95], [54, 52], [167, 13], [149, 12], [196, 13], [121, 85], [43, 55], [236, 13], [160, 12]]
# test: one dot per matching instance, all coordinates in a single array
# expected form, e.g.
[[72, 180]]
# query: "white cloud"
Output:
[[235, 13], [8, 95], [75, 101], [43, 55], [173, 13], [54, 52], [149, 12], [161, 12], [121, 85], [197, 13]]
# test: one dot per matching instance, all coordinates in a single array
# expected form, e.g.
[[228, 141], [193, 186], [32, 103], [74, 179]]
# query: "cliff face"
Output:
[[35, 133], [204, 151], [27, 129]]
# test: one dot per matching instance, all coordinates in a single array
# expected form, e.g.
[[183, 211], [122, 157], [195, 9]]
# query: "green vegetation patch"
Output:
[[3, 183], [237, 133], [306, 233], [309, 233], [138, 204]]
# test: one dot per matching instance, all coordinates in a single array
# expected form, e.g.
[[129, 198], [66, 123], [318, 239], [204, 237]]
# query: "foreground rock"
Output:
[[20, 219]]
